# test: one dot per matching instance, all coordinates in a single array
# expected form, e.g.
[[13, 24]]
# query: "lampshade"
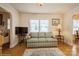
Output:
[[59, 29], [59, 26]]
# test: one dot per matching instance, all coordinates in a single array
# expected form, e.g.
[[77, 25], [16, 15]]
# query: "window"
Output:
[[43, 25], [34, 26], [8, 23], [39, 25], [75, 25]]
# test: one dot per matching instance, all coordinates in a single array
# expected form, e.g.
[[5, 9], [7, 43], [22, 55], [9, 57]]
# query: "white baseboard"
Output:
[[14, 43], [11, 46]]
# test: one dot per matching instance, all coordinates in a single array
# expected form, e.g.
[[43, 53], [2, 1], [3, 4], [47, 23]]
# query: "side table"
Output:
[[60, 38]]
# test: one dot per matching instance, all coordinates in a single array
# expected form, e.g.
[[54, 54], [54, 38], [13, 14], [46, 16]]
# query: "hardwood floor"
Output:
[[16, 51], [0, 52], [66, 49], [19, 50]]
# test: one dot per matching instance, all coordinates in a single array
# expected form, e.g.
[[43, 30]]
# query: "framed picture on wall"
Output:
[[1, 19], [55, 22]]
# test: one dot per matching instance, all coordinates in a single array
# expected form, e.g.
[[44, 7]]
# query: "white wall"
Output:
[[66, 21], [24, 21], [25, 18], [68, 25], [14, 22]]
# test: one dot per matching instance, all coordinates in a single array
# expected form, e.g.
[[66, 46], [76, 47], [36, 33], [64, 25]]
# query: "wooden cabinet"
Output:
[[1, 41]]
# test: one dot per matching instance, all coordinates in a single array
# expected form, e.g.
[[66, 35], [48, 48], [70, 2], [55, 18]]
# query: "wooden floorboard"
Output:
[[20, 48]]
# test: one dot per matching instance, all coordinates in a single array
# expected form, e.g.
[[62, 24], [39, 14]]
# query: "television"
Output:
[[21, 30], [1, 19]]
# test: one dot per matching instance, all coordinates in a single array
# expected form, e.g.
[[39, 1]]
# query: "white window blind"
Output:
[[43, 25], [39, 25]]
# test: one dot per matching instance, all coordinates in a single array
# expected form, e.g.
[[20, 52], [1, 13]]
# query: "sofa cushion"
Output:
[[42, 40], [49, 35], [34, 34], [41, 34], [37, 40], [51, 39], [33, 40]]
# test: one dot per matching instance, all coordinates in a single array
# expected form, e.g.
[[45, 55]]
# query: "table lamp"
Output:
[[59, 29]]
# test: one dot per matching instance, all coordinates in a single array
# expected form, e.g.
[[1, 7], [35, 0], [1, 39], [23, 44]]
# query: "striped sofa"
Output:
[[41, 39]]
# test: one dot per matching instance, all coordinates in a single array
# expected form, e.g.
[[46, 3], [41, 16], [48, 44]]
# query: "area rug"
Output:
[[43, 52]]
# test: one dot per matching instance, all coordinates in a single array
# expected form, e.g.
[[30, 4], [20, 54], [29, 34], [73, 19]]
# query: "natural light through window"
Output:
[[8, 24], [75, 25], [39, 25]]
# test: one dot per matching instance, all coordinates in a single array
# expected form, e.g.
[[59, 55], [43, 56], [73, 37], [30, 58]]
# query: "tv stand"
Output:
[[21, 38]]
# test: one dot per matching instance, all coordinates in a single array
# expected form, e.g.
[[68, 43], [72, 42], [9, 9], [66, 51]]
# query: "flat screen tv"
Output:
[[21, 30], [1, 18]]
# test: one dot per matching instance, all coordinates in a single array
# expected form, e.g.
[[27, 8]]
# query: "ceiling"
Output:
[[2, 10], [46, 8]]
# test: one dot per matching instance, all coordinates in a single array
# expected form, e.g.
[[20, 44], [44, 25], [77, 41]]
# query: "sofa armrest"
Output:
[[52, 37], [28, 37]]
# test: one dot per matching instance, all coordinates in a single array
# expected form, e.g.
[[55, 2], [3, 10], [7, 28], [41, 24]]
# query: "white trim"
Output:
[[13, 45]]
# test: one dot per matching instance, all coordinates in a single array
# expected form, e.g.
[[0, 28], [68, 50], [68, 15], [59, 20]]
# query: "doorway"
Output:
[[5, 23], [76, 28]]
